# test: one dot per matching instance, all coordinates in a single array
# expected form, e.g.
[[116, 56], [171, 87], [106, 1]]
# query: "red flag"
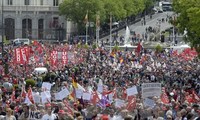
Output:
[[36, 43], [30, 94], [13, 95], [139, 48], [70, 111], [131, 103], [124, 94], [189, 98], [164, 97], [39, 49], [114, 93], [23, 92], [195, 96], [95, 97]]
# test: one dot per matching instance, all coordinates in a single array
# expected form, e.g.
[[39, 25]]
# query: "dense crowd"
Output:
[[105, 77]]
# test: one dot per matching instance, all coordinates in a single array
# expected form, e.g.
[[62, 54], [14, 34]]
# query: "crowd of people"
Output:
[[96, 83]]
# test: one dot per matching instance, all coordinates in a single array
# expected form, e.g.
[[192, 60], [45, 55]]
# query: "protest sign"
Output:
[[86, 96], [79, 93], [132, 91], [100, 88], [119, 103], [62, 94], [46, 85], [36, 98], [149, 102], [151, 89]]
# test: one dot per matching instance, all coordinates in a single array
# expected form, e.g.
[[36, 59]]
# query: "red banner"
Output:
[[23, 54], [18, 56], [54, 57], [64, 58], [27, 51]]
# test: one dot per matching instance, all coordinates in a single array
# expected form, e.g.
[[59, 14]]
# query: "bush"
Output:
[[78, 45], [158, 48], [94, 46], [46, 77], [53, 75], [115, 48], [30, 82], [86, 46], [15, 86]]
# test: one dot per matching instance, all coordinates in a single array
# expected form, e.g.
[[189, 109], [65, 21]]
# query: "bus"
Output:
[[165, 6]]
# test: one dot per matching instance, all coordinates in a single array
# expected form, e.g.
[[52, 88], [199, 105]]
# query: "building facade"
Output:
[[33, 19]]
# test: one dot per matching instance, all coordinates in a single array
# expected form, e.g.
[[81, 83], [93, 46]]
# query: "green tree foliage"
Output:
[[75, 10], [188, 17]]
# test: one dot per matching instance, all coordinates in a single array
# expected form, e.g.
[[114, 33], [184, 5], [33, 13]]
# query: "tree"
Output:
[[76, 10], [188, 18]]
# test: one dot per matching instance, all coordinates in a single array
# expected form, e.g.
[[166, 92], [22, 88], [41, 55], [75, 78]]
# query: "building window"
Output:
[[41, 2], [26, 2], [55, 2], [10, 2], [55, 22]]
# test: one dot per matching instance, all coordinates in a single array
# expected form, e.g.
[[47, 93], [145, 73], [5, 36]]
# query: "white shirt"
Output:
[[47, 117]]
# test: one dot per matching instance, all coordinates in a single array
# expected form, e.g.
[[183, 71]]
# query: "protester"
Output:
[[91, 83]]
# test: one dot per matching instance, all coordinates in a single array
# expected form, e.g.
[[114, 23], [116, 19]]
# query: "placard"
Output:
[[151, 89]]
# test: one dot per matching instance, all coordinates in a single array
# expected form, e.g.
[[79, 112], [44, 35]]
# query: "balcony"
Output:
[[30, 8]]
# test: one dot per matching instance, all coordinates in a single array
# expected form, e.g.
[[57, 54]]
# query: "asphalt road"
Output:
[[139, 28]]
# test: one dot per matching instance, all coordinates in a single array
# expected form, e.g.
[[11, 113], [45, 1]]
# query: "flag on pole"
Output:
[[74, 83], [110, 20], [86, 18], [97, 21]]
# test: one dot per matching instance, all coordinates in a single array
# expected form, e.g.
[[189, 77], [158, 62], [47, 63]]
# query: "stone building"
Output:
[[34, 19]]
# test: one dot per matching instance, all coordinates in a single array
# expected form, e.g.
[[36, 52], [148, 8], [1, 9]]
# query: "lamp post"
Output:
[[2, 29], [27, 31], [110, 31]]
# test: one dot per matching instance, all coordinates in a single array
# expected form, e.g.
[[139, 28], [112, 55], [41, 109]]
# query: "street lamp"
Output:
[[2, 29]]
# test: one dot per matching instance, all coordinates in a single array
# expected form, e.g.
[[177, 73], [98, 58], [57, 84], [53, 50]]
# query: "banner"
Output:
[[151, 89], [23, 53], [27, 50], [54, 57], [18, 56], [64, 58]]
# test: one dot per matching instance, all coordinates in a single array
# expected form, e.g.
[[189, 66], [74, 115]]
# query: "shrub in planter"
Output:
[[53, 75], [30, 82], [158, 48], [94, 46], [86, 46]]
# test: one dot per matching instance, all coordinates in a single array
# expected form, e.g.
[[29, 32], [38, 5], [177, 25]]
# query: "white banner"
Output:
[[151, 89]]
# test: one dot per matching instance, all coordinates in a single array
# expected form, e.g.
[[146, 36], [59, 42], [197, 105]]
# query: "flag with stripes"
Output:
[[97, 21], [86, 18]]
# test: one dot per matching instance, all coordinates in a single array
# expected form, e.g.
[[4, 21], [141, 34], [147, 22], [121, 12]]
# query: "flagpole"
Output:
[[110, 31], [86, 33], [96, 34]]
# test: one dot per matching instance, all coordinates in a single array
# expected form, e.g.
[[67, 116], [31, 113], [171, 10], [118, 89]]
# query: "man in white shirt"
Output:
[[50, 115]]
